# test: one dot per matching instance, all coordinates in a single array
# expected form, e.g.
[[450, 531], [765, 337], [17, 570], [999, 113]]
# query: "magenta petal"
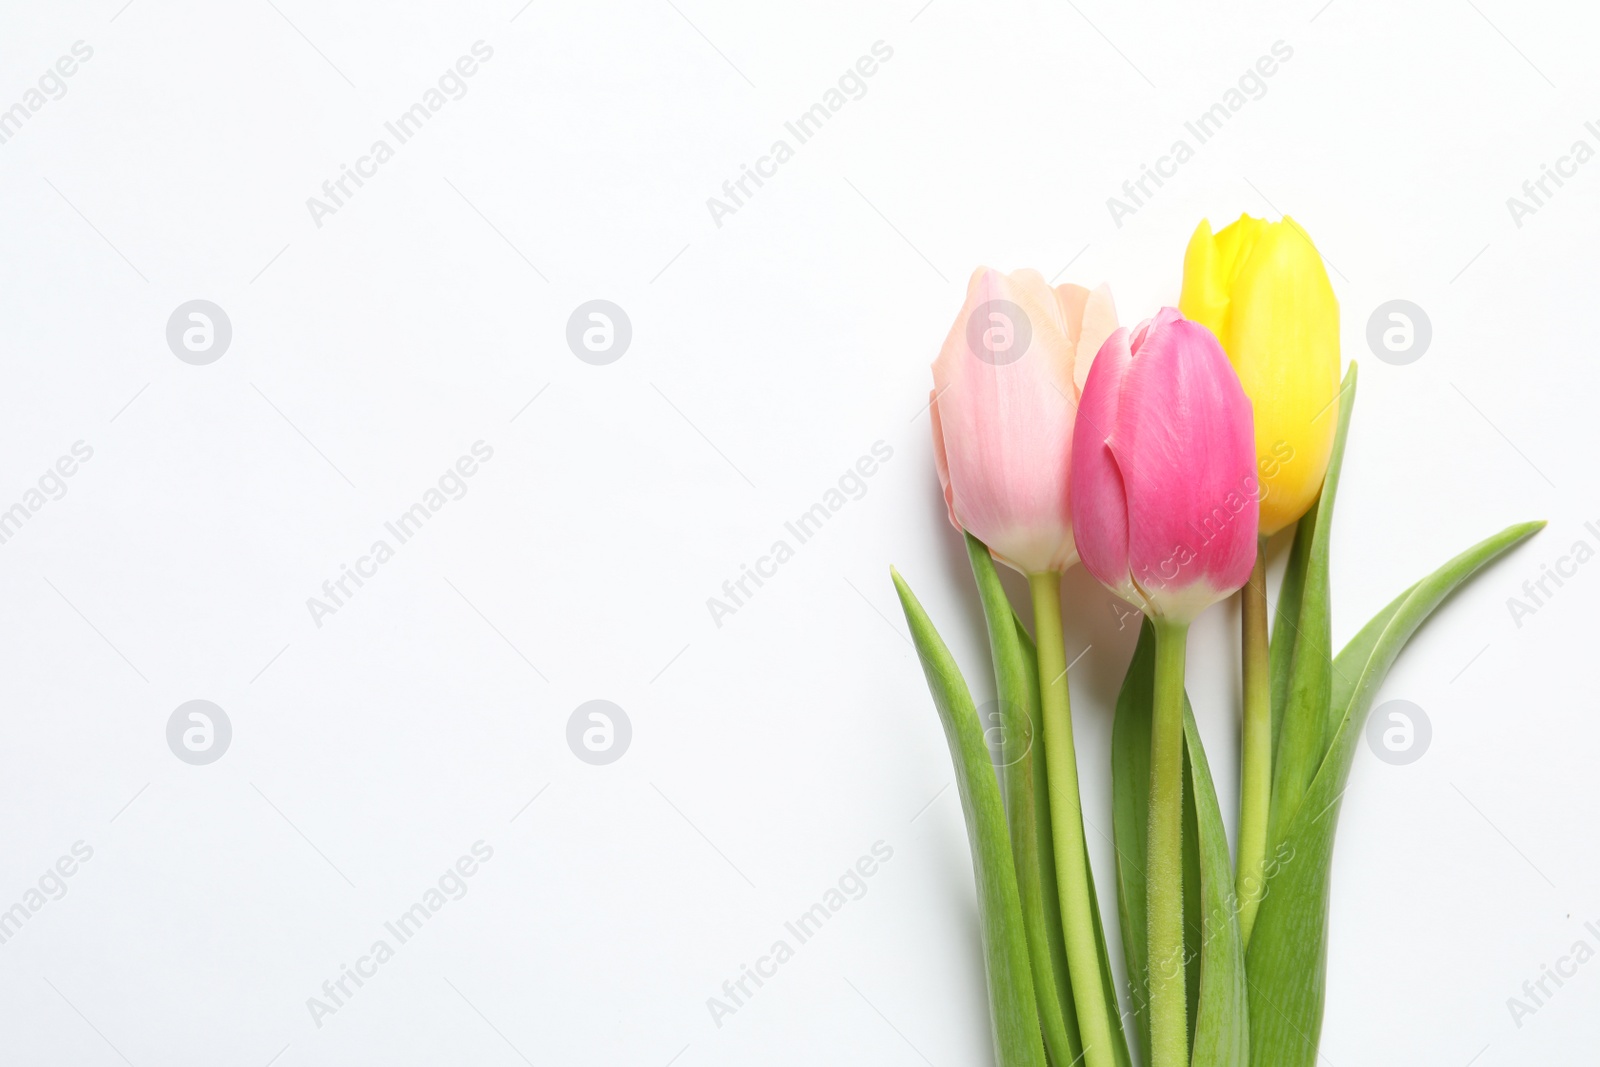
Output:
[[1184, 444], [1099, 499]]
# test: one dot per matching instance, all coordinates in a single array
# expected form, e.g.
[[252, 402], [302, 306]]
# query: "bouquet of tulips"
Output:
[[1163, 458]]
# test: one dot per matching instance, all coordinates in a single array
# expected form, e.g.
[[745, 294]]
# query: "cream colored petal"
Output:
[[1072, 298], [1099, 323]]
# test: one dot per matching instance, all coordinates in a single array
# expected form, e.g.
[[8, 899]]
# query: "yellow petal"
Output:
[[1204, 298], [1261, 288]]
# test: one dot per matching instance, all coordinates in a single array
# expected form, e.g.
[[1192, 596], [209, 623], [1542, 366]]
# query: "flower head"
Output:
[[1261, 288], [1164, 484], [1006, 387]]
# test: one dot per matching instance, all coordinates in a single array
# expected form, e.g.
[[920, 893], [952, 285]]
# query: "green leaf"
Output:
[[1047, 871], [1302, 738], [1285, 626], [1287, 960], [1357, 678], [1130, 821], [1219, 1010], [1108, 981], [1027, 806], [1358, 651], [1221, 1014], [1049, 886], [1012, 1009]]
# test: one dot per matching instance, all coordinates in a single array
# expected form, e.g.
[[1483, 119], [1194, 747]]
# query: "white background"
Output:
[[768, 354]]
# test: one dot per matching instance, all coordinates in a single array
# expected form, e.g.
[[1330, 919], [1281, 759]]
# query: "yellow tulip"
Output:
[[1260, 287]]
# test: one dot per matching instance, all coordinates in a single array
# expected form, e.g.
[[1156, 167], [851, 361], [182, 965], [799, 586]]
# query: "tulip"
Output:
[[1163, 470], [1006, 390], [1261, 288], [1006, 386], [1164, 503]]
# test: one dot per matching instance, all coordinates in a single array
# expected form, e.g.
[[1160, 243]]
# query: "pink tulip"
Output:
[[1164, 487], [1006, 388]]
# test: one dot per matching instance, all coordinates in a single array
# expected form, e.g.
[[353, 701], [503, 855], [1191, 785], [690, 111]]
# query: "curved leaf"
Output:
[[1287, 959], [1012, 1009], [1027, 806], [1302, 739]]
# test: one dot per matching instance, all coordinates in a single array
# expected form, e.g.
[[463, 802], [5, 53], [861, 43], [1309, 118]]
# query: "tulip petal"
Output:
[[940, 462], [1184, 444], [1099, 322], [1285, 327], [1261, 288], [1099, 498], [1072, 300], [1004, 420], [1205, 292]]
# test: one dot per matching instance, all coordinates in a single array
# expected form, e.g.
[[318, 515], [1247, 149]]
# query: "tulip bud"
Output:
[[1006, 387], [1261, 288], [1164, 486]]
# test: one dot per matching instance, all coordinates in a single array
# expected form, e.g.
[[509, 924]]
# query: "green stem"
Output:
[[1066, 817], [1022, 777], [1169, 1022], [1255, 786]]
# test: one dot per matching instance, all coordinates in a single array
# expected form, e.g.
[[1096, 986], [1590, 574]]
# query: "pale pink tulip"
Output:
[[1164, 485], [1006, 388]]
